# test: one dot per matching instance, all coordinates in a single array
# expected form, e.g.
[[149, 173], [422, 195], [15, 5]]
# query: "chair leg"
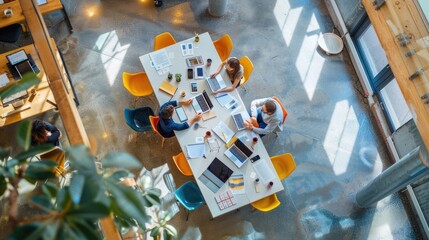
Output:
[[163, 140], [187, 214], [242, 86]]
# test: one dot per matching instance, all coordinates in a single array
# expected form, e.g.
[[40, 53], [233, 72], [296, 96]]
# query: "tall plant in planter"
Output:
[[72, 211]]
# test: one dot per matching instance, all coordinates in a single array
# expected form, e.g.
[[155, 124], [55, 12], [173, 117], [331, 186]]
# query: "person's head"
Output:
[[233, 65], [167, 112], [39, 132], [269, 107]]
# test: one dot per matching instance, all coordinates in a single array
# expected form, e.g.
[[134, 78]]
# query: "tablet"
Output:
[[199, 73], [181, 114]]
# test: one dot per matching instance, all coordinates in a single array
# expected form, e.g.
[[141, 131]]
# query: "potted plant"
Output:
[[178, 77]]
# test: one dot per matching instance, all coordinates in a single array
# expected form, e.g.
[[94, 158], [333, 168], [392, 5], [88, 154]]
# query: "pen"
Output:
[[224, 136]]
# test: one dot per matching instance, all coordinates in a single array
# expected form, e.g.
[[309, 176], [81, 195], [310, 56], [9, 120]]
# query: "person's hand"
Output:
[[213, 75], [196, 118], [215, 92], [48, 133], [186, 102], [248, 125], [253, 119]]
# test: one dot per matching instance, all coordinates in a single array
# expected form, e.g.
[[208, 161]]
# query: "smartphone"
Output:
[[199, 73], [194, 88], [255, 158], [181, 114], [190, 73]]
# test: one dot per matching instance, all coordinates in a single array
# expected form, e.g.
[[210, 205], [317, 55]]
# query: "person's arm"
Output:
[[218, 69], [185, 102], [229, 89], [174, 103], [55, 133], [256, 104]]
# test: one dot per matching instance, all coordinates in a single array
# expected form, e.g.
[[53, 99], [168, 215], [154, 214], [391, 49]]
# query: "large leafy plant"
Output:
[[71, 211]]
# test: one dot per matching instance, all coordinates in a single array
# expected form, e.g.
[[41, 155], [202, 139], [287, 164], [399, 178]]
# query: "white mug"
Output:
[[8, 12]]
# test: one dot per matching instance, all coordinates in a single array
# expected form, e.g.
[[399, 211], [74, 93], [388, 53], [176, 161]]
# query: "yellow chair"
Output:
[[57, 155], [223, 46], [266, 204], [154, 123], [284, 165], [182, 164], [137, 84], [248, 69], [163, 40], [285, 113]]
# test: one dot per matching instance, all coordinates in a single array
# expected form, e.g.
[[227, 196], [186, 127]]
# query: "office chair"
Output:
[[223, 46], [284, 111], [266, 204], [154, 123], [11, 33], [189, 195], [182, 164], [138, 119], [163, 40], [284, 165], [248, 69], [137, 84]]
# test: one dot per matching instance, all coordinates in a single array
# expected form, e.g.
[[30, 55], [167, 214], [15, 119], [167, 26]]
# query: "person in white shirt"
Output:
[[268, 114]]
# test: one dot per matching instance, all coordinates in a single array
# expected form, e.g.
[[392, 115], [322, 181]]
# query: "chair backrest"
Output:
[[248, 68], [138, 119], [284, 165], [224, 46], [163, 40], [57, 155], [137, 83], [182, 164], [154, 123], [283, 109], [189, 195], [267, 203]]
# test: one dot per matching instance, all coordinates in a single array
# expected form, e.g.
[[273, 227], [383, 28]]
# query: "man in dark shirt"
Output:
[[166, 125], [44, 133]]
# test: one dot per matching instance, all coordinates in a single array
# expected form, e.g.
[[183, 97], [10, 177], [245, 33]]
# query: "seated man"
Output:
[[44, 133], [166, 125], [268, 114]]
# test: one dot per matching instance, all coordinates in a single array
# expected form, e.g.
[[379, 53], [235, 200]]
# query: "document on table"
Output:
[[160, 59], [224, 99], [4, 80], [196, 150], [236, 184], [264, 171], [223, 131]]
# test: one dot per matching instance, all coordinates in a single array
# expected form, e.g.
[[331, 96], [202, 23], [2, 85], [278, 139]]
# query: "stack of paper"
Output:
[[196, 150], [223, 131], [160, 59]]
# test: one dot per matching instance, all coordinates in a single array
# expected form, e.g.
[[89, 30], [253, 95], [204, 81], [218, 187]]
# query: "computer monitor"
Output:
[[14, 98]]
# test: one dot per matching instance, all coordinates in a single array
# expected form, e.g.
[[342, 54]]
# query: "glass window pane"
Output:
[[395, 104], [372, 51]]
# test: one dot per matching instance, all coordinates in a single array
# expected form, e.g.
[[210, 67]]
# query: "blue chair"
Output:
[[189, 195], [138, 119]]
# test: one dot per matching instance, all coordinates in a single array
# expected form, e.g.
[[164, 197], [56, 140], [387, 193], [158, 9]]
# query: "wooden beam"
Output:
[[69, 114], [391, 20]]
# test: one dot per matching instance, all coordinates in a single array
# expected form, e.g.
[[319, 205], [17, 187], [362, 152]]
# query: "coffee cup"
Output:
[[8, 12], [209, 62], [183, 93]]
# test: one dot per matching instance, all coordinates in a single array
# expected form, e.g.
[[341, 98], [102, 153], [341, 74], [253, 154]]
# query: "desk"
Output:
[[44, 93], [18, 16], [206, 49]]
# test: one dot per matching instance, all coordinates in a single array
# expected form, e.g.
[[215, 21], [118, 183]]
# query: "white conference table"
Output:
[[206, 49]]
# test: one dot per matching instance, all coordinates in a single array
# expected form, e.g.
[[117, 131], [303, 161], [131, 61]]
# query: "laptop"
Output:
[[238, 120], [20, 63], [202, 102], [215, 175], [216, 83], [238, 153]]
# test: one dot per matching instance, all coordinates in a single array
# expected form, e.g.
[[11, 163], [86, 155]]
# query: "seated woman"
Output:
[[234, 70], [44, 133], [166, 125]]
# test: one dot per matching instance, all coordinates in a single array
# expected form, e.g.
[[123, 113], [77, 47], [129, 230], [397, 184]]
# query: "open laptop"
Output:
[[216, 83], [202, 102], [215, 175], [239, 120], [238, 153], [19, 64]]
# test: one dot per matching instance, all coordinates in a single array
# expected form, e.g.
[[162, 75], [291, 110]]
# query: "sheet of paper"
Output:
[[263, 171], [4, 80], [224, 99], [160, 59], [196, 150], [223, 131]]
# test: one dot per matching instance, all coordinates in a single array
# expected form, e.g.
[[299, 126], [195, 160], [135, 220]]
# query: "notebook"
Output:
[[168, 88], [238, 153], [202, 102], [223, 131], [215, 176]]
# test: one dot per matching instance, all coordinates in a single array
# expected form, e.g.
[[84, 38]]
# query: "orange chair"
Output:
[[223, 46], [284, 165], [154, 123], [182, 164], [266, 204], [248, 69], [137, 84], [283, 109], [163, 40]]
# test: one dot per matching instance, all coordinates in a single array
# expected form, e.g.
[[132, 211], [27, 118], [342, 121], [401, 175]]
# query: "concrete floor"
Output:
[[329, 129]]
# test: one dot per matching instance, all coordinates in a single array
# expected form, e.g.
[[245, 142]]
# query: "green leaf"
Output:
[[3, 185], [42, 202], [12, 163], [28, 232], [152, 200], [170, 230], [120, 160], [87, 229], [4, 153], [63, 199], [41, 170], [50, 189], [23, 134], [91, 211], [28, 80], [33, 151], [154, 191], [76, 187], [81, 160], [51, 230], [155, 231], [116, 176]]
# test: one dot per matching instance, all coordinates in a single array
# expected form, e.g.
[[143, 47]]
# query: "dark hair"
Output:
[[234, 63], [38, 132], [270, 106], [167, 111]]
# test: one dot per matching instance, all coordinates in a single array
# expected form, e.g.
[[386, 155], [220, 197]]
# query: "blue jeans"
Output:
[[259, 119]]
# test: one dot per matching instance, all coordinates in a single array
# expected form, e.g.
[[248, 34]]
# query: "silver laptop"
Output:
[[202, 102], [239, 153], [238, 120], [216, 83], [215, 175]]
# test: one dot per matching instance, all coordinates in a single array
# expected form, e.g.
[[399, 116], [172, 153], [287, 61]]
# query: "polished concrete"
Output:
[[329, 129]]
